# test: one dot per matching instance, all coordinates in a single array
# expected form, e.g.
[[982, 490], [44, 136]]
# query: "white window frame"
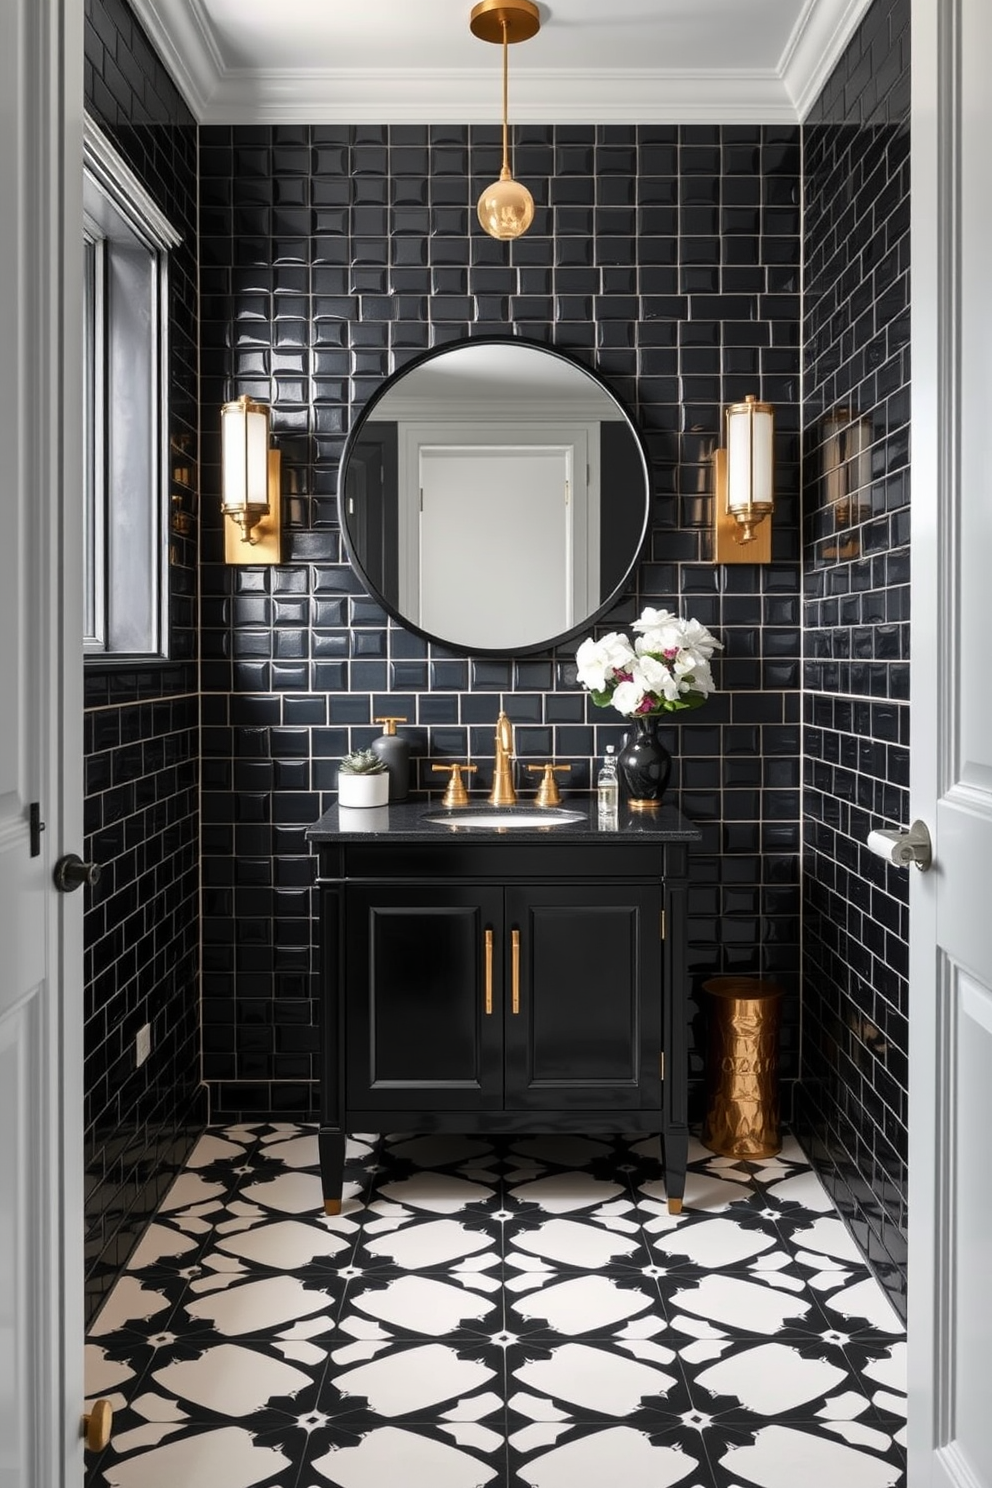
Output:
[[125, 466]]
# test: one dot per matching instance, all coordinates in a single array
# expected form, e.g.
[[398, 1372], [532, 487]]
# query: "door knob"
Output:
[[98, 1423], [71, 872]]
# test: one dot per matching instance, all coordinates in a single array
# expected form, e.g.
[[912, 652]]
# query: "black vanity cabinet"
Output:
[[479, 998], [515, 982]]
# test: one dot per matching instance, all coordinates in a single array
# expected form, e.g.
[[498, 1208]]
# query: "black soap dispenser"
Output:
[[395, 755]]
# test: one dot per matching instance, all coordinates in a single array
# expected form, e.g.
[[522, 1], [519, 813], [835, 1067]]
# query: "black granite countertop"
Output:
[[409, 820]]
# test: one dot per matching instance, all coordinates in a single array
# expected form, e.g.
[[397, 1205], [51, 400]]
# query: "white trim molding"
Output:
[[218, 93], [109, 168], [817, 42]]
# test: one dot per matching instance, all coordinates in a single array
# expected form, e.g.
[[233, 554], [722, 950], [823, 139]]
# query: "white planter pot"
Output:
[[363, 790]]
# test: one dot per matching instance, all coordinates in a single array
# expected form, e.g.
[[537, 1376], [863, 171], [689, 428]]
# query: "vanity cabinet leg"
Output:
[[330, 1147], [676, 1149]]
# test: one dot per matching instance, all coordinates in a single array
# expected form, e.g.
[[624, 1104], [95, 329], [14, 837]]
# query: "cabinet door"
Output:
[[423, 970], [583, 1016]]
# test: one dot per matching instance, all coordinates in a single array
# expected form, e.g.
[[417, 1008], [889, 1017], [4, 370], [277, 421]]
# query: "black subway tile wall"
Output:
[[666, 257], [852, 1095], [142, 742]]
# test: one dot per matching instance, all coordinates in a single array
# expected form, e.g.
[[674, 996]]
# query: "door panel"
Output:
[[429, 1024], [584, 1034], [972, 1022], [41, 1161], [950, 1301], [530, 537]]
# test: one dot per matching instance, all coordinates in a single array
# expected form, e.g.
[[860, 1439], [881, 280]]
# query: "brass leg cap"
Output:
[[332, 1206], [675, 1206]]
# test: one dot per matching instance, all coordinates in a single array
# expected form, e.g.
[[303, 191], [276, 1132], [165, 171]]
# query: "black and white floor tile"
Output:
[[522, 1313]]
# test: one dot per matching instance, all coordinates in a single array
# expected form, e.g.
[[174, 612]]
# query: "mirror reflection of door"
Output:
[[495, 564], [495, 544], [370, 502], [498, 534]]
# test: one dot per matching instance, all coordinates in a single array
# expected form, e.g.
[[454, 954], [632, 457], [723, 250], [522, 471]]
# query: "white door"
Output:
[[950, 1082], [40, 745], [496, 563]]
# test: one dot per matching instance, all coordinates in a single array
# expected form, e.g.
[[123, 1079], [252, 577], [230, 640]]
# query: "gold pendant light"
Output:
[[506, 209]]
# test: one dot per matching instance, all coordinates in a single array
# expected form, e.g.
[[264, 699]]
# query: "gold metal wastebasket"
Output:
[[742, 1108]]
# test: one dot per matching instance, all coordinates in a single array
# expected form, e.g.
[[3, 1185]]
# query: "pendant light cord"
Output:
[[504, 174]]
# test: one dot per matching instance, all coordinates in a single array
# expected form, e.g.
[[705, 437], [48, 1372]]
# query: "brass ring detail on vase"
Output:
[[644, 765]]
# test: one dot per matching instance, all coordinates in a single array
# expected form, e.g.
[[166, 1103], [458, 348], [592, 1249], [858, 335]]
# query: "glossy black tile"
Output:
[[853, 597], [141, 812]]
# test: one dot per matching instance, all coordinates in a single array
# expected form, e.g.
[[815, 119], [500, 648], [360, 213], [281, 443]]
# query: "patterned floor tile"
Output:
[[557, 1303], [416, 1379], [587, 1242], [215, 1308], [512, 1310], [447, 1452], [397, 1237], [587, 1454], [447, 1304], [774, 1381], [881, 1368], [596, 1380], [816, 1454], [202, 1456]]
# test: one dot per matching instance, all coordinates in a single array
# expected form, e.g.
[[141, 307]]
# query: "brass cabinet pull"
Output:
[[489, 971], [515, 970]]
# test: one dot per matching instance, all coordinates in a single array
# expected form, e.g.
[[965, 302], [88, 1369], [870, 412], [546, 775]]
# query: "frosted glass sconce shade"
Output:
[[745, 484], [250, 484]]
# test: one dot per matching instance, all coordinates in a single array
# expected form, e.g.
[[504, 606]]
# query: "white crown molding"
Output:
[[180, 31], [184, 39], [818, 40], [418, 96]]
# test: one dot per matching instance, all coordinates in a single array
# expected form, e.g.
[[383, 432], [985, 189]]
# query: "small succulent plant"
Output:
[[361, 762]]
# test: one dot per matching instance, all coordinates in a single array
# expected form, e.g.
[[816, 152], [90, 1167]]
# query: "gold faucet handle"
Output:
[[548, 793], [455, 793]]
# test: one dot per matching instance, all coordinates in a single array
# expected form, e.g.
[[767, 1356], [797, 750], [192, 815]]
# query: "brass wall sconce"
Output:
[[745, 484], [506, 209], [251, 484]]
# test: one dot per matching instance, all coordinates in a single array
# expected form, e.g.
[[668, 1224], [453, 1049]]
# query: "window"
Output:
[[126, 246]]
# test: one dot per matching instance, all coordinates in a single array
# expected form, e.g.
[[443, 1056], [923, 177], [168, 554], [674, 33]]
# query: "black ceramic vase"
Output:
[[643, 765]]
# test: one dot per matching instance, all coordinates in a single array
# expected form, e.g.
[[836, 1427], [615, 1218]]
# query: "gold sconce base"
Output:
[[266, 536], [727, 546]]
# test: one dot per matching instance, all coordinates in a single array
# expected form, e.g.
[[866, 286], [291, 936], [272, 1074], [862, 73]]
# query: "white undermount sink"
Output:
[[533, 816]]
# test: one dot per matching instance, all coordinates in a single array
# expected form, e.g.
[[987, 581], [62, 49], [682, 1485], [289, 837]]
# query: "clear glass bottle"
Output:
[[607, 785]]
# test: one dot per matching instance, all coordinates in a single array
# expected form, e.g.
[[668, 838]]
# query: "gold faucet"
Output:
[[502, 793]]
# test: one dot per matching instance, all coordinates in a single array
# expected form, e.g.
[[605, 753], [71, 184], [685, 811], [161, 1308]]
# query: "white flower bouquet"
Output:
[[665, 670]]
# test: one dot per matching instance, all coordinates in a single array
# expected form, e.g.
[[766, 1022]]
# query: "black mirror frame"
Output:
[[358, 428]]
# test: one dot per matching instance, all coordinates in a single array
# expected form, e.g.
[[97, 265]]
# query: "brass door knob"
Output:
[[98, 1423]]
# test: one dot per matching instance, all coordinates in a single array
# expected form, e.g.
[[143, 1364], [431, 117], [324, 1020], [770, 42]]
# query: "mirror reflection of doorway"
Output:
[[503, 400], [496, 539]]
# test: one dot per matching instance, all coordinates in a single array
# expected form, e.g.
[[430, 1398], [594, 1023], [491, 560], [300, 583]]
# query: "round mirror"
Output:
[[494, 496]]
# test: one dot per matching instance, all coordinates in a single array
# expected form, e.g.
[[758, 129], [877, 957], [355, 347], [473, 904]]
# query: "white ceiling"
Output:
[[416, 61]]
